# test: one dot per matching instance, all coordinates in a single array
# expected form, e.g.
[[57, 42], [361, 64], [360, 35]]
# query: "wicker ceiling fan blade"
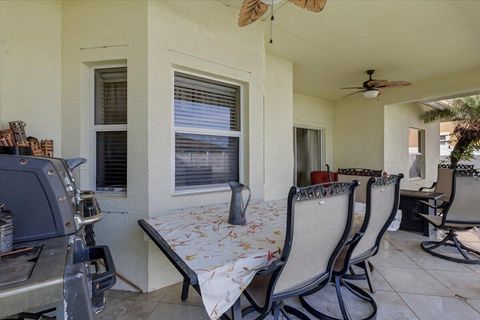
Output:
[[396, 84], [251, 11], [351, 94], [310, 5], [352, 88], [376, 83]]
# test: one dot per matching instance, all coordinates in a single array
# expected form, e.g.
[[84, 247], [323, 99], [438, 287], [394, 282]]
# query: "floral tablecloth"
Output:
[[224, 257]]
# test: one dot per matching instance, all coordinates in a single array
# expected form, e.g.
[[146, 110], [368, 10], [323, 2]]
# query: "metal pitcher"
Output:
[[236, 215]]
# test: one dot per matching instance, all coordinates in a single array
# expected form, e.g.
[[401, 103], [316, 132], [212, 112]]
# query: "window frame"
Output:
[[94, 128], [204, 131], [421, 133]]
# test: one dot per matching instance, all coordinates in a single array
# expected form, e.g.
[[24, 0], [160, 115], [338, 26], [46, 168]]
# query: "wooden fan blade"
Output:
[[351, 94], [396, 84], [310, 5], [251, 11], [376, 83], [352, 88]]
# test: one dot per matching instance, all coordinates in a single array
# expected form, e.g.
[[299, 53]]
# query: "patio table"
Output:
[[218, 259]]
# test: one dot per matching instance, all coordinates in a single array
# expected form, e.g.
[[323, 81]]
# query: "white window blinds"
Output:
[[207, 132], [111, 129]]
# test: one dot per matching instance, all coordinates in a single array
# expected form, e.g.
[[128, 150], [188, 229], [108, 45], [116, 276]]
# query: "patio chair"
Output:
[[317, 177], [362, 176], [462, 213], [319, 220], [383, 194], [444, 183]]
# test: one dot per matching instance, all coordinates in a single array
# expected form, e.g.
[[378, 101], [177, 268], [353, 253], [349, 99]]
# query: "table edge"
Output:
[[174, 258]]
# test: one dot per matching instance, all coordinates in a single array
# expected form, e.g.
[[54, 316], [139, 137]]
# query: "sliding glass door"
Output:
[[308, 154]]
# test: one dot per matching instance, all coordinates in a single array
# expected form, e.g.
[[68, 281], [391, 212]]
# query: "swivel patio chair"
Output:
[[362, 176], [319, 220], [444, 183], [461, 213], [382, 197]]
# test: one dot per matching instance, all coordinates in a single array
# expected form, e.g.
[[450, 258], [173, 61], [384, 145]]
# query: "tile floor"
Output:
[[410, 283]]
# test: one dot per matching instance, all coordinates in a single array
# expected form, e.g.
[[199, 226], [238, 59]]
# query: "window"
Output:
[[416, 150], [110, 129], [207, 132]]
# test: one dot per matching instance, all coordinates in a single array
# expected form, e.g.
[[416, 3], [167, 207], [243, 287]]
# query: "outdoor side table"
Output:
[[411, 206]]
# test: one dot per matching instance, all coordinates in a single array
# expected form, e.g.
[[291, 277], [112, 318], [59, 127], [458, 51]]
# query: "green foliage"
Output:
[[465, 112]]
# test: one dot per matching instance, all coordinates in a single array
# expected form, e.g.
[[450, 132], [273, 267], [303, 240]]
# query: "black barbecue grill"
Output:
[[54, 269]]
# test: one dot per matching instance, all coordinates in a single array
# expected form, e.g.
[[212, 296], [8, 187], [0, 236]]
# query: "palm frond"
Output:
[[437, 114]]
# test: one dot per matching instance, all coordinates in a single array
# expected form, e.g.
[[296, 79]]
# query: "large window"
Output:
[[416, 153], [111, 129], [207, 132]]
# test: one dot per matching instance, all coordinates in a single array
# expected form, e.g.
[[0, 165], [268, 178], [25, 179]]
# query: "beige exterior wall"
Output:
[[206, 43], [30, 67], [398, 119], [278, 128], [315, 113], [120, 26], [358, 134]]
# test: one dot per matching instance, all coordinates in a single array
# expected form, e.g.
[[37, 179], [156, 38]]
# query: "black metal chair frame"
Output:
[[275, 302], [451, 239], [339, 277]]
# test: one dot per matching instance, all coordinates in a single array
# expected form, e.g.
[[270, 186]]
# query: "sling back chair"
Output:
[[382, 195], [462, 213], [444, 183], [319, 220], [362, 176]]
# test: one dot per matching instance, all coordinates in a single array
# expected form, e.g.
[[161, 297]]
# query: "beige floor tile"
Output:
[[121, 294], [159, 295], [393, 258], [474, 303], [379, 282], [464, 284], [167, 311], [173, 296], [439, 308], [430, 262], [126, 309], [413, 281]]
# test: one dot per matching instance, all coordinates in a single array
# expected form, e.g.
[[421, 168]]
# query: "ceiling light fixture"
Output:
[[371, 94]]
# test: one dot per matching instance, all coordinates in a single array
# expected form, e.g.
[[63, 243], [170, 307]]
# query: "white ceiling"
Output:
[[411, 40]]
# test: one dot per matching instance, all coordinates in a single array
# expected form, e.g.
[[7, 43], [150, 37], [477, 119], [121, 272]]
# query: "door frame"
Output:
[[322, 146]]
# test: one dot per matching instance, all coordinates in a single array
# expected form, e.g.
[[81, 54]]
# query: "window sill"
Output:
[[178, 193], [110, 195], [416, 179]]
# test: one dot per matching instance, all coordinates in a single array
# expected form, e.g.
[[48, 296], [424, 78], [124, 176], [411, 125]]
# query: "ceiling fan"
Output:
[[372, 88], [252, 10]]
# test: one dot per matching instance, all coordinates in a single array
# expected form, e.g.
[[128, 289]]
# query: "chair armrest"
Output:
[[428, 188], [274, 266]]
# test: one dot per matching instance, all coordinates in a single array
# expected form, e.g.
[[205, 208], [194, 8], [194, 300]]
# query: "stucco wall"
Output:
[[315, 113], [398, 119], [30, 67], [206, 42], [278, 128], [120, 26]]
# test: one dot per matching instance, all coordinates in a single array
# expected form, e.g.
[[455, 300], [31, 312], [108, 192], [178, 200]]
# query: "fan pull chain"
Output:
[[271, 23]]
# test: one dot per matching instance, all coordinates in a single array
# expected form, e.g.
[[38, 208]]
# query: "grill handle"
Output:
[[82, 221]]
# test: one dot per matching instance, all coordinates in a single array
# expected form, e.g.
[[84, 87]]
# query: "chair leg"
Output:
[[369, 276], [466, 252], [297, 313], [339, 283]]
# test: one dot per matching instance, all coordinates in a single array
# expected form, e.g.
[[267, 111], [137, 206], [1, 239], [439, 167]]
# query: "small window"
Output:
[[207, 132], [111, 129], [416, 153]]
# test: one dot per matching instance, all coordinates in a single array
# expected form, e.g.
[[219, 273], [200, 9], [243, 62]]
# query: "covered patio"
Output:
[[410, 283], [169, 101]]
